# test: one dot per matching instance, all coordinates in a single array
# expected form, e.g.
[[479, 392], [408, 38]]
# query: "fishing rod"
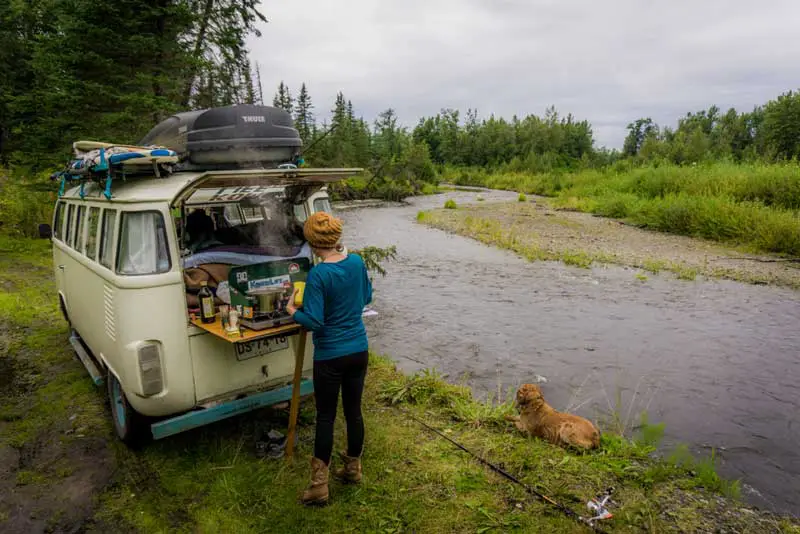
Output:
[[320, 138], [502, 472]]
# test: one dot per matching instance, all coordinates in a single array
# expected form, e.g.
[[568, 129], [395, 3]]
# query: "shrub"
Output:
[[25, 203]]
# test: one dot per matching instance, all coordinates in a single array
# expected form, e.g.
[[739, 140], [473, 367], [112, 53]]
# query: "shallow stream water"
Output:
[[717, 361]]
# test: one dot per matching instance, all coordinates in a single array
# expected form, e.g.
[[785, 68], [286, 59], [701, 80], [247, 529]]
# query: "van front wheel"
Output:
[[131, 426]]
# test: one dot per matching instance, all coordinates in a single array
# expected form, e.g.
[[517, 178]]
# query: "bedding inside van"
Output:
[[243, 231], [244, 255]]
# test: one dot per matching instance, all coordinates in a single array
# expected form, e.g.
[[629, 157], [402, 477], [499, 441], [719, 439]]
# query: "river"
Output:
[[717, 361]]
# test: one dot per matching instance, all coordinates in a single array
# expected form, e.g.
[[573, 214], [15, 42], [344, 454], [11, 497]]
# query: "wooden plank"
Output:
[[86, 146], [216, 329], [294, 407]]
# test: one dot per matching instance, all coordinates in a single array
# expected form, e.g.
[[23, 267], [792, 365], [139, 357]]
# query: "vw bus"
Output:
[[134, 242]]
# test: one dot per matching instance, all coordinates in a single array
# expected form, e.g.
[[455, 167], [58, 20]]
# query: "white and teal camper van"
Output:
[[127, 262]]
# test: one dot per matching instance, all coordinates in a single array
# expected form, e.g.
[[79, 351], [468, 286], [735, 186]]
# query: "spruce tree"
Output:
[[303, 115], [283, 98]]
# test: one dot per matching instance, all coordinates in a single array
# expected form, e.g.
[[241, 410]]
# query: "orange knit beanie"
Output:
[[323, 230]]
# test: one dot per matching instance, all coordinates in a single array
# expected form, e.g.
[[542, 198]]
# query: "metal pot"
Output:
[[267, 297]]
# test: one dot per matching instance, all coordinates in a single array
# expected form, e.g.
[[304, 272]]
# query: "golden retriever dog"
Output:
[[539, 419]]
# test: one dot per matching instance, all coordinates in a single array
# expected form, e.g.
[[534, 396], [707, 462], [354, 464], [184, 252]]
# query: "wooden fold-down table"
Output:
[[246, 334]]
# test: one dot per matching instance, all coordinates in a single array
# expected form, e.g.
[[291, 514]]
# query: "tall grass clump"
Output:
[[450, 204], [428, 387]]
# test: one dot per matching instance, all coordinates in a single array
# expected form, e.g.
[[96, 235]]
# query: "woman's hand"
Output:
[[290, 307]]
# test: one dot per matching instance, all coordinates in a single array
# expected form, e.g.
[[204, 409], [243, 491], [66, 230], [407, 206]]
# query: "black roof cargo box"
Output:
[[232, 137]]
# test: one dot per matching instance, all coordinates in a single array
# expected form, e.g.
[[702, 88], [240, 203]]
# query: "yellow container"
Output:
[[300, 287]]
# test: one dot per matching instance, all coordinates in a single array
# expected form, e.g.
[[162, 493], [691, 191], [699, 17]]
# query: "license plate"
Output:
[[259, 347]]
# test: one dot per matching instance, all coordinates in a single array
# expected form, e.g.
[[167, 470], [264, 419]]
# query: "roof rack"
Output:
[[103, 162]]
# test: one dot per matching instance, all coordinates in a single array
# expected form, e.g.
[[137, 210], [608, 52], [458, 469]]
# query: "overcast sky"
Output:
[[608, 61]]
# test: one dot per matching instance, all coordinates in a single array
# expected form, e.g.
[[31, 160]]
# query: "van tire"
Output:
[[131, 427]]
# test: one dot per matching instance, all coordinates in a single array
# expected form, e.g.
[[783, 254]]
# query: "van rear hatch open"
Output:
[[257, 243], [253, 182]]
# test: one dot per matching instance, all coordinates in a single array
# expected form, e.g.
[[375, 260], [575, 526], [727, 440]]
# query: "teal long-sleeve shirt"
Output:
[[333, 301]]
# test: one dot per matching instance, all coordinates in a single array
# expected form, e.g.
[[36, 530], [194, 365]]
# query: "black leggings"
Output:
[[347, 373]]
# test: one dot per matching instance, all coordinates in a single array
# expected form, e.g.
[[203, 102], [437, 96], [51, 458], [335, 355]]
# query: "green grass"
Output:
[[209, 480], [450, 204], [755, 205], [429, 189], [25, 478], [492, 232], [26, 200], [522, 198], [686, 273], [654, 266]]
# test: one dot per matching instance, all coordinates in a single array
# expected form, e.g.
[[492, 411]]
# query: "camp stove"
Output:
[[270, 308], [261, 292]]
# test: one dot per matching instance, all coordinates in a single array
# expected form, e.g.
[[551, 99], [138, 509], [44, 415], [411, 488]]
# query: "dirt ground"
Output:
[[76, 473]]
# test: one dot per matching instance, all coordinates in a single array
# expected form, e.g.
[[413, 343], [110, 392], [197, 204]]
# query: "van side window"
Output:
[[107, 237], [232, 216], [142, 243], [252, 214], [78, 241], [300, 213], [58, 220], [91, 235], [322, 204], [68, 237]]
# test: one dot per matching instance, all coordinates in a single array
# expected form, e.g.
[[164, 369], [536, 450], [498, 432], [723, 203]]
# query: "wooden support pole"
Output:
[[294, 407]]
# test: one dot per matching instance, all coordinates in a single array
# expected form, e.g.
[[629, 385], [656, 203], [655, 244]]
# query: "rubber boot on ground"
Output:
[[351, 470], [317, 491]]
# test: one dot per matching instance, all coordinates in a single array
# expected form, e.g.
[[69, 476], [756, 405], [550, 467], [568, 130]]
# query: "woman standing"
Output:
[[337, 289]]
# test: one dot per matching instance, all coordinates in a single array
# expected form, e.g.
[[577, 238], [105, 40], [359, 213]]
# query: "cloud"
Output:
[[608, 62]]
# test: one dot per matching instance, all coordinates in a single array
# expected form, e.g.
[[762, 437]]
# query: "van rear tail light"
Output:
[[150, 368]]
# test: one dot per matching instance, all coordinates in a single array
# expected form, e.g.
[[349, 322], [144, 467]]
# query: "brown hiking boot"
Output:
[[351, 471], [317, 491]]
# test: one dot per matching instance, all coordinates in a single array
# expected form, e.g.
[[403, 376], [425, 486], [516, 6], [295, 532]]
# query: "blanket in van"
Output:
[[241, 255]]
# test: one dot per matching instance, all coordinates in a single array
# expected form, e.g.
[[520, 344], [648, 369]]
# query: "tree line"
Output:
[[402, 160], [768, 133], [77, 68], [550, 143], [449, 140], [83, 68]]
